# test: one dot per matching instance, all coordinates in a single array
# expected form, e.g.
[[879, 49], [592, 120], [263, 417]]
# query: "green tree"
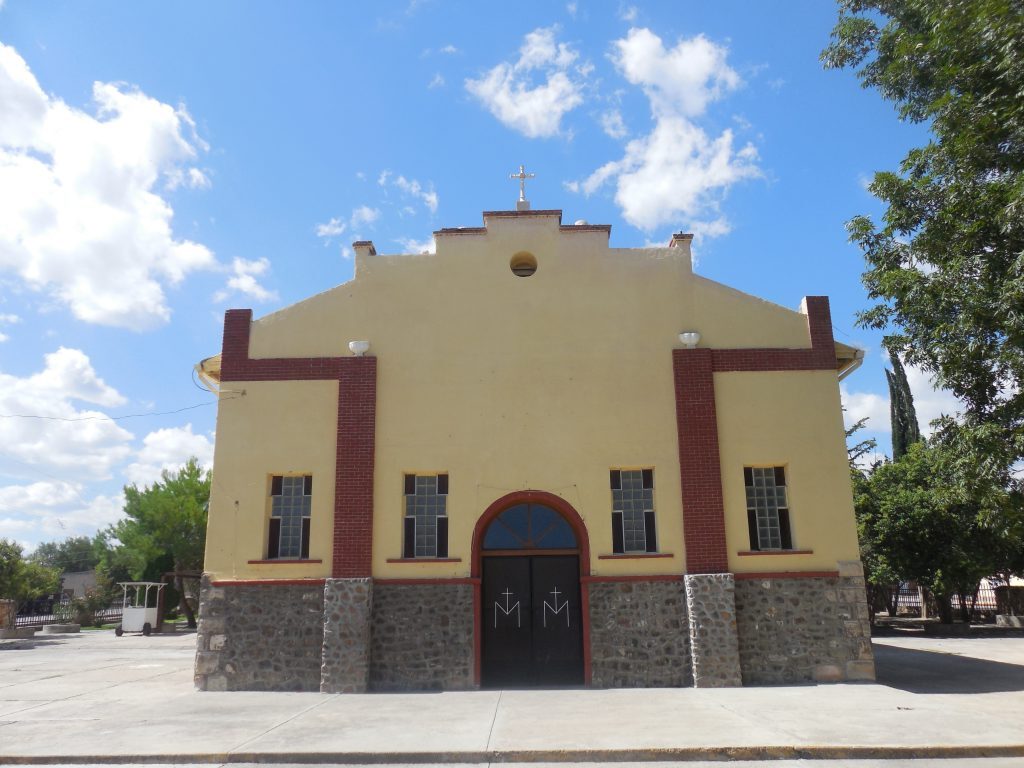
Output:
[[164, 529], [77, 553], [921, 520], [946, 264], [22, 579], [902, 414]]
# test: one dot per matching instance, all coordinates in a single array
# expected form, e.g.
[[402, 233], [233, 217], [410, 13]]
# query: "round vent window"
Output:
[[523, 264]]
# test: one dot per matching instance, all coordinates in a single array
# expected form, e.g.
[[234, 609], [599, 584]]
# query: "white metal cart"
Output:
[[136, 613]]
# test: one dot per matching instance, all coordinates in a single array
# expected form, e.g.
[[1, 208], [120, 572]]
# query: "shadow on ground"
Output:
[[930, 672]]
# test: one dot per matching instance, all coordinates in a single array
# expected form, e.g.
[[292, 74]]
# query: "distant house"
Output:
[[530, 459], [75, 583]]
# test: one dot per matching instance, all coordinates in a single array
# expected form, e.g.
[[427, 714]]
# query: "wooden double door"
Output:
[[531, 621]]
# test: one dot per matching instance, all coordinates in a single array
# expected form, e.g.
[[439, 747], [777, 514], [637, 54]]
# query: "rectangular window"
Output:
[[767, 508], [291, 500], [426, 516], [633, 527]]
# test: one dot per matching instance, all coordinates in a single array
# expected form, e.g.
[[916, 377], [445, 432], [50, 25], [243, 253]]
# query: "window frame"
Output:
[[782, 520], [409, 522], [273, 541], [648, 516]]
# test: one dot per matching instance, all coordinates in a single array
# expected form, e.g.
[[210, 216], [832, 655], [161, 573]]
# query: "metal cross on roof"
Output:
[[522, 176]]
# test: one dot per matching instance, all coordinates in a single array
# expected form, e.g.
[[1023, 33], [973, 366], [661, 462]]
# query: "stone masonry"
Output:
[[711, 605], [421, 637], [802, 629], [348, 605], [259, 637], [639, 634]]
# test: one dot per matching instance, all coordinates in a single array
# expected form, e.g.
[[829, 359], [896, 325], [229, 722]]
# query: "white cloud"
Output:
[[677, 173], [628, 13], [9, 319], [244, 280], [861, 405], [58, 435], [364, 214], [332, 228], [436, 82], [46, 511], [571, 9], [193, 178], [79, 214], [449, 49], [412, 188], [613, 125], [680, 81], [4, 337], [511, 94], [418, 246], [168, 449]]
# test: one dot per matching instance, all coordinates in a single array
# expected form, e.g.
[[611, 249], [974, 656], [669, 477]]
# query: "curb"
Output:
[[673, 754]]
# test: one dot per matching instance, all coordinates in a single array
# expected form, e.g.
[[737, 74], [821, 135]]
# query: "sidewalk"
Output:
[[95, 698]]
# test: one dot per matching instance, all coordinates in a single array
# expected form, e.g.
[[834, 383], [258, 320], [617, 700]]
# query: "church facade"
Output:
[[530, 459]]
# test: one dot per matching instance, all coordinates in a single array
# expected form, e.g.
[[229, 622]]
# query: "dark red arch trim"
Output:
[[572, 517]]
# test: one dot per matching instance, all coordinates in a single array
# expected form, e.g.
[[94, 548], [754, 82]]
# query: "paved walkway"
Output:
[[95, 698]]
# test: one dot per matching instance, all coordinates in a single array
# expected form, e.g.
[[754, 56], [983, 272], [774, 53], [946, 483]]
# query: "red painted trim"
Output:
[[751, 553], [649, 577], [788, 575], [429, 581], [557, 503], [572, 517], [266, 582], [282, 562], [477, 619], [424, 560], [636, 556], [700, 471]]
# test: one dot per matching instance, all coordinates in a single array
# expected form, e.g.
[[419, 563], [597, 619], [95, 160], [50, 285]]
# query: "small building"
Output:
[[530, 458]]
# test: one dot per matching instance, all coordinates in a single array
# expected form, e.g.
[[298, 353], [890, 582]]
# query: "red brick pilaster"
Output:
[[353, 480], [234, 353], [699, 465]]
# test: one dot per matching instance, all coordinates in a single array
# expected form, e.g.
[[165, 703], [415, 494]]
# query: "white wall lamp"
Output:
[[689, 339], [359, 348]]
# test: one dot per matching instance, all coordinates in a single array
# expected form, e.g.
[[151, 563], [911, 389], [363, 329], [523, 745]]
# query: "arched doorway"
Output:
[[530, 551]]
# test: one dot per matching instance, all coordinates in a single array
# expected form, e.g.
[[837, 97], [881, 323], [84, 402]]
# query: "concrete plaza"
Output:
[[95, 698]]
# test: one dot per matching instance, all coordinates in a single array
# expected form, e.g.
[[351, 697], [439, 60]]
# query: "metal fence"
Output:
[[909, 602], [110, 615]]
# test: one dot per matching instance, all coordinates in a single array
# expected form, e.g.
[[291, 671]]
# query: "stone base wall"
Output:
[[348, 605], [804, 629], [639, 635], [711, 604], [259, 637], [421, 637]]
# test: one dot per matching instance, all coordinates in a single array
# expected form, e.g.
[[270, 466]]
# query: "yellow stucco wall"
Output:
[[510, 383], [791, 419]]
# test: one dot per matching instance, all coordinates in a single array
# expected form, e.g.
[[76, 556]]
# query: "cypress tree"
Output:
[[903, 416]]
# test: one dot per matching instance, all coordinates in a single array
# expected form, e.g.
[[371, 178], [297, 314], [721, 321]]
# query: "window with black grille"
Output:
[[633, 528], [767, 508], [291, 500], [426, 516]]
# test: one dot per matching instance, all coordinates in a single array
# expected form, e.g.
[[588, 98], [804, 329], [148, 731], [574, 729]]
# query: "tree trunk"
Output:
[[945, 604], [179, 584]]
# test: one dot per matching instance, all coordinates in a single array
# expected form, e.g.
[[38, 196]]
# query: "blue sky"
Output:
[[161, 162]]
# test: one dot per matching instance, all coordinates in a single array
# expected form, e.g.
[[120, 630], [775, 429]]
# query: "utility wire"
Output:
[[110, 418]]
